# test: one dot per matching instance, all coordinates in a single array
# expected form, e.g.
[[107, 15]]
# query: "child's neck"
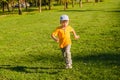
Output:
[[63, 27]]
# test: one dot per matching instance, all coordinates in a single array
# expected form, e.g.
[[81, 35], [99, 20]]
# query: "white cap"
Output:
[[64, 17]]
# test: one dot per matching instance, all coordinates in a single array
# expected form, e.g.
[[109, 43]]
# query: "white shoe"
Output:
[[69, 66]]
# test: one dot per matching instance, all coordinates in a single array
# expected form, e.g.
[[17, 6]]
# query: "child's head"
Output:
[[64, 20]]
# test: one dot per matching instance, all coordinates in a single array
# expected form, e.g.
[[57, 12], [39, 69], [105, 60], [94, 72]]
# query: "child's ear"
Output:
[[60, 22]]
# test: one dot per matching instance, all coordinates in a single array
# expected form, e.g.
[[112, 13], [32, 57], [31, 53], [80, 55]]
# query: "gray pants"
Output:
[[67, 54]]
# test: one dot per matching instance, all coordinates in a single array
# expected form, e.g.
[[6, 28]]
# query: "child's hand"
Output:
[[57, 40], [77, 37]]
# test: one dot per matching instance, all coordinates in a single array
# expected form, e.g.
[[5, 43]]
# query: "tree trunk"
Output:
[[65, 6], [3, 6], [101, 0], [49, 4], [12, 5], [19, 8], [39, 5], [96, 1], [87, 0], [36, 3], [8, 7], [57, 2], [26, 5], [60, 2], [72, 3], [80, 3]]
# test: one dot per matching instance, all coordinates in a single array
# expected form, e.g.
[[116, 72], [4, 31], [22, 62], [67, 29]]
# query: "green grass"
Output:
[[27, 51]]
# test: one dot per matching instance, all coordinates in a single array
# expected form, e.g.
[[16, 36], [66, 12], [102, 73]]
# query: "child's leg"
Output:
[[63, 52], [68, 55]]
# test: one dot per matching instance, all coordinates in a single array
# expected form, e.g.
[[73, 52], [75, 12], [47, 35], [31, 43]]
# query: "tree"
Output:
[[39, 1], [19, 7], [49, 4], [7, 4], [80, 3], [65, 2], [12, 4], [96, 1], [4, 4], [26, 6], [65, 5], [101, 0], [72, 3], [87, 0]]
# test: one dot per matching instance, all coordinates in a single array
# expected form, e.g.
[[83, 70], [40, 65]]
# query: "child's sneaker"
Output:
[[68, 66]]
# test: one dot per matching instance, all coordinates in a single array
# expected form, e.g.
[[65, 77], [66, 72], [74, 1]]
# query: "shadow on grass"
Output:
[[104, 58], [16, 11], [47, 63], [107, 59], [34, 9], [114, 11], [33, 69], [77, 10], [25, 69], [89, 10]]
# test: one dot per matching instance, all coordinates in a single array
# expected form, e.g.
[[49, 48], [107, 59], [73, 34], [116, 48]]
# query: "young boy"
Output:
[[62, 36]]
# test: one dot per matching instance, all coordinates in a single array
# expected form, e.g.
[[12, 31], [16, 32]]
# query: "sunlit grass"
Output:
[[27, 51]]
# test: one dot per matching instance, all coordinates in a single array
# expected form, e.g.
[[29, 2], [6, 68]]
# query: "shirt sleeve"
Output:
[[55, 33], [71, 29]]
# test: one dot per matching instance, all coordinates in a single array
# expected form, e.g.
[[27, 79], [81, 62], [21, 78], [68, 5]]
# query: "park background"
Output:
[[27, 51]]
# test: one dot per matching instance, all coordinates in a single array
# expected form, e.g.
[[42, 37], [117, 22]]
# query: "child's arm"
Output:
[[55, 38], [75, 35]]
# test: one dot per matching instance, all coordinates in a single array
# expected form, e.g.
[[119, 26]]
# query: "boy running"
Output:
[[62, 36]]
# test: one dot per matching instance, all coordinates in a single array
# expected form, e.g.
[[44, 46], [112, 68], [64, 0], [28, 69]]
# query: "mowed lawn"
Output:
[[27, 51]]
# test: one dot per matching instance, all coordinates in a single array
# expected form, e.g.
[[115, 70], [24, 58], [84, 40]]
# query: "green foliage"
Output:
[[27, 51], [66, 1]]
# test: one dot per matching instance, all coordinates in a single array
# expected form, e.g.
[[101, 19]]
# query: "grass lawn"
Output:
[[27, 51]]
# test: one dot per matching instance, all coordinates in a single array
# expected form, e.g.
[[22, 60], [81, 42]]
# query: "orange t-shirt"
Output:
[[63, 35]]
